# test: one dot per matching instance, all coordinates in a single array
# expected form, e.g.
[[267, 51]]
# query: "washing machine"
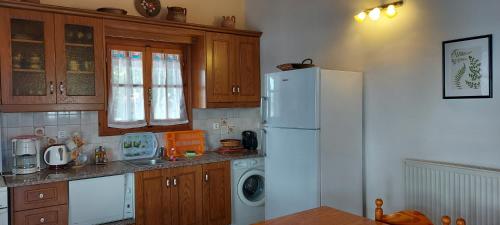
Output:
[[247, 191]]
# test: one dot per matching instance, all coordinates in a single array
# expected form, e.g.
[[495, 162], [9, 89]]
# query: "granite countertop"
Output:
[[112, 168]]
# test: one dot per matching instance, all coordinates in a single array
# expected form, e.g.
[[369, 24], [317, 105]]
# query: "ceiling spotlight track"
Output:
[[374, 13]]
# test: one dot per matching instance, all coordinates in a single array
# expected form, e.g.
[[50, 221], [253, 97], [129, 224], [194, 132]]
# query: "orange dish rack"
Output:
[[183, 141]]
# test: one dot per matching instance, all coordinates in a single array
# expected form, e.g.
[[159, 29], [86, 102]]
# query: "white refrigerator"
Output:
[[313, 143]]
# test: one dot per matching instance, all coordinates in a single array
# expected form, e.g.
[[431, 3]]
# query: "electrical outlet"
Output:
[[61, 134], [216, 126]]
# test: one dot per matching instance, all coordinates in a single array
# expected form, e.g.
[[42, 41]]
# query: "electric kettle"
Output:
[[249, 140], [57, 156]]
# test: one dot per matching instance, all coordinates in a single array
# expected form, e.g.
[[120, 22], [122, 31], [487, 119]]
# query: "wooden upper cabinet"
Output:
[[80, 59], [51, 62], [186, 194], [232, 76], [221, 82], [27, 57], [248, 69], [217, 194]]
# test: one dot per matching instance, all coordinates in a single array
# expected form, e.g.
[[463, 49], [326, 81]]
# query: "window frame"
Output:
[[148, 48]]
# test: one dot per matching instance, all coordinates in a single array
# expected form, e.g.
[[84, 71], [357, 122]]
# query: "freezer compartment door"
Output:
[[292, 99], [292, 171]]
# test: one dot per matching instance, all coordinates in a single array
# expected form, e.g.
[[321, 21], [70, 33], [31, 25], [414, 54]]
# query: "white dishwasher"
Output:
[[101, 200]]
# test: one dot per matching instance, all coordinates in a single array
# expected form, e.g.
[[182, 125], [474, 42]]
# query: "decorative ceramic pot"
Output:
[[177, 14], [228, 21]]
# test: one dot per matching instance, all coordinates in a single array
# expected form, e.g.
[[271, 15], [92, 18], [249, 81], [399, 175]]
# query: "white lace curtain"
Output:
[[126, 104], [168, 106]]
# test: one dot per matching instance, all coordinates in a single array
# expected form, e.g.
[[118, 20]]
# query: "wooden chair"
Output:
[[447, 221], [406, 217]]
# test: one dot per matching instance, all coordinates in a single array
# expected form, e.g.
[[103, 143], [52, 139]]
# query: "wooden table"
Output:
[[321, 216]]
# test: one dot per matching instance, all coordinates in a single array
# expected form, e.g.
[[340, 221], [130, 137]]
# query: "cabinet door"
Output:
[[248, 69], [221, 82], [152, 197], [27, 57], [80, 59], [216, 194], [55, 215], [186, 203]]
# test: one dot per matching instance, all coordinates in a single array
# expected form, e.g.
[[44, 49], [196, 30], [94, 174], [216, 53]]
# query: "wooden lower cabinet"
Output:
[[152, 197], [191, 195], [186, 193], [217, 194], [55, 215], [40, 204]]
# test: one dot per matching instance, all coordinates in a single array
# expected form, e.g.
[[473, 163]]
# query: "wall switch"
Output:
[[61, 134], [216, 126]]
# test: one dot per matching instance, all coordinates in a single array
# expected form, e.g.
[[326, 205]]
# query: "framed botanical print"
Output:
[[467, 68]]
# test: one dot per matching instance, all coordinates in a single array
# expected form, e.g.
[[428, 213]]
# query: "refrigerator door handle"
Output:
[[263, 109], [264, 139]]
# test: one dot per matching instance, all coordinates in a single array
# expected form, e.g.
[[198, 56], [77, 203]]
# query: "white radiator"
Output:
[[438, 189]]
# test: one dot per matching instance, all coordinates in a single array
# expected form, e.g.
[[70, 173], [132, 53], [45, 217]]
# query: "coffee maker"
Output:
[[26, 154]]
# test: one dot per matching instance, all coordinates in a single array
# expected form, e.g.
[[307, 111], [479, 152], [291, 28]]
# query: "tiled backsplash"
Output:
[[232, 122]]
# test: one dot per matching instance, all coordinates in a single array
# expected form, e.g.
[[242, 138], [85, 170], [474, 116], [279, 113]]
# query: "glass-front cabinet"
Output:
[[80, 59], [51, 60], [27, 57]]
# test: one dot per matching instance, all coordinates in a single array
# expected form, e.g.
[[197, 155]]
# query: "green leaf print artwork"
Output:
[[474, 80], [458, 77]]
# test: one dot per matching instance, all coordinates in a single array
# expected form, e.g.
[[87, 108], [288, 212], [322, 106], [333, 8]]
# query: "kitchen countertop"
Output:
[[112, 168]]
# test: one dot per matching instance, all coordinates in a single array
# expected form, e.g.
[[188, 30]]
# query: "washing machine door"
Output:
[[251, 188]]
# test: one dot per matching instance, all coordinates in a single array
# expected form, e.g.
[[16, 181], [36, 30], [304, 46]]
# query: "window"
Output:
[[147, 90]]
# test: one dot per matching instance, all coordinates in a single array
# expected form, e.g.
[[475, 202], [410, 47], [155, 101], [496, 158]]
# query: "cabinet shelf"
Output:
[[80, 45], [81, 72], [28, 71], [27, 41]]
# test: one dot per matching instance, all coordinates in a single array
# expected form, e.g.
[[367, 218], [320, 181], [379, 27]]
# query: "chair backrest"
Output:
[[447, 221], [406, 217]]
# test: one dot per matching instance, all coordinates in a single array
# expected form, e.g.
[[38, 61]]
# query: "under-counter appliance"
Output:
[[248, 194], [312, 135], [4, 203], [101, 200], [26, 154]]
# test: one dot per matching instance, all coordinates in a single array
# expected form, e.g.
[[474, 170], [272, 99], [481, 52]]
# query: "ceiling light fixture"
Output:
[[374, 13]]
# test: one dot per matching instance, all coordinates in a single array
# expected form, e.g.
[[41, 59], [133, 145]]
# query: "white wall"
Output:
[[405, 115], [208, 12]]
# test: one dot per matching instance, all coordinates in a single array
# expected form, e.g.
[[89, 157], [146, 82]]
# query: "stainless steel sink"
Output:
[[148, 162]]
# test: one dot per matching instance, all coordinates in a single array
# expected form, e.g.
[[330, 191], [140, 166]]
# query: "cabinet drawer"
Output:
[[55, 215], [38, 196]]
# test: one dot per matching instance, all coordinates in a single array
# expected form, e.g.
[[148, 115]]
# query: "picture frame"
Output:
[[468, 68]]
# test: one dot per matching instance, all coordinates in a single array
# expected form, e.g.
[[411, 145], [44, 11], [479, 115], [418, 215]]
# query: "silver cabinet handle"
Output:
[[61, 87], [168, 182], [51, 87], [206, 176], [41, 196], [175, 182], [238, 89], [42, 220], [234, 89]]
